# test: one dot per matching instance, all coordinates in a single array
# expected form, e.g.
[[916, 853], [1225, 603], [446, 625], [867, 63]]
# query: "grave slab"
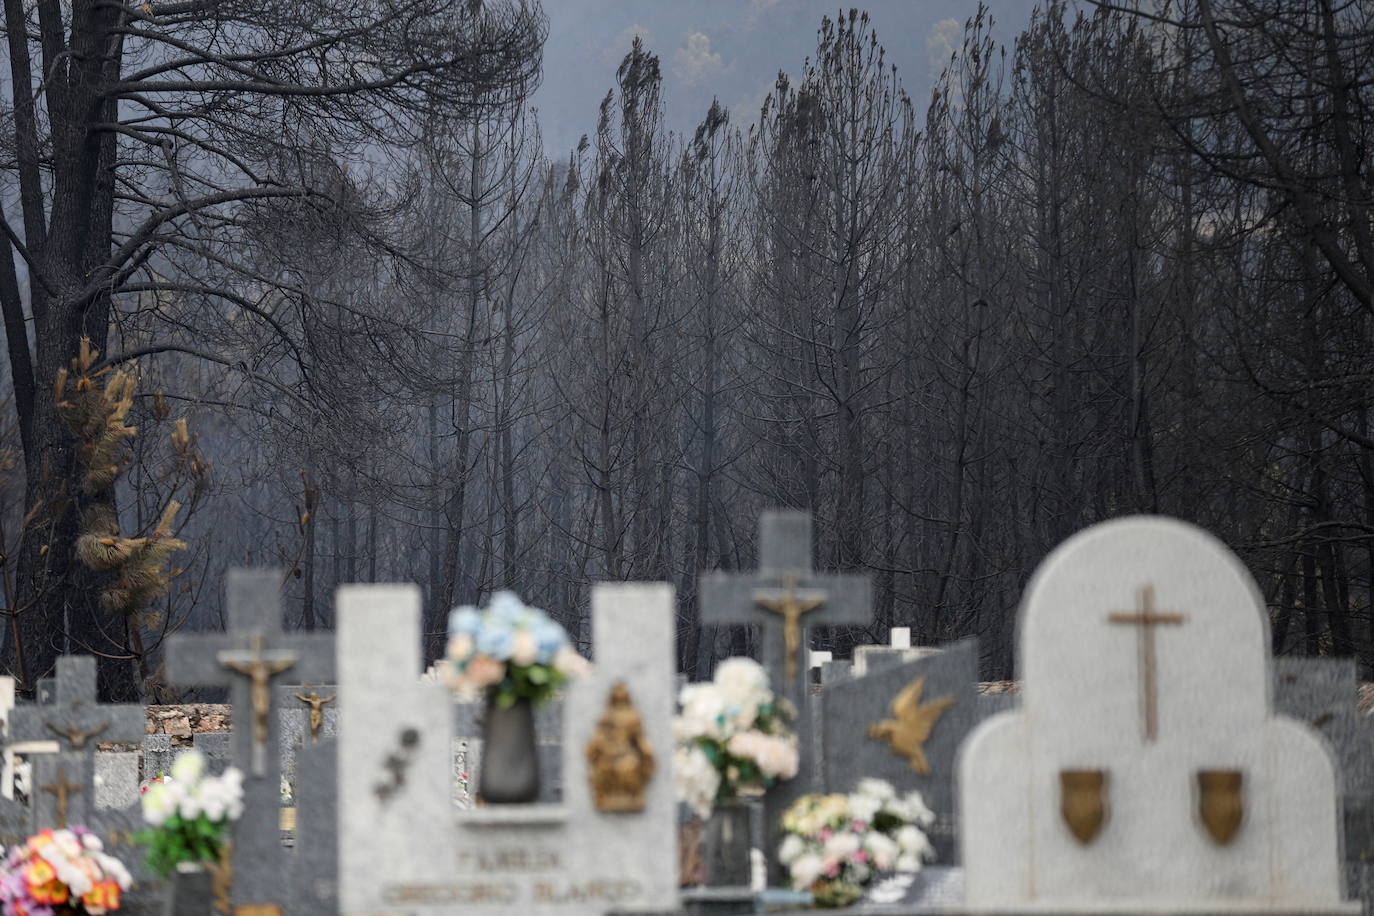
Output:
[[932, 726]]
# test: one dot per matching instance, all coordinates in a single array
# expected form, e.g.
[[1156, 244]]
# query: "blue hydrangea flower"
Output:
[[506, 607], [496, 639], [550, 637], [464, 619]]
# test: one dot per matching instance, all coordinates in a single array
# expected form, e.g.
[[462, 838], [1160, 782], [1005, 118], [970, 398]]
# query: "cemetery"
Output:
[[692, 457], [1151, 757]]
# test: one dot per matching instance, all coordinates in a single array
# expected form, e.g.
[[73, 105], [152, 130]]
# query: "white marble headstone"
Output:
[[403, 846], [1097, 696]]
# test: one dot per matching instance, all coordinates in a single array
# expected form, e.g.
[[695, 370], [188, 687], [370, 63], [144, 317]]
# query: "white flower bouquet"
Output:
[[189, 813], [836, 844], [731, 737]]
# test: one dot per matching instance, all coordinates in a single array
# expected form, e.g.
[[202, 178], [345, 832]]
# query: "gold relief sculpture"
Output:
[[912, 722], [1083, 802], [316, 704], [620, 762], [1220, 803]]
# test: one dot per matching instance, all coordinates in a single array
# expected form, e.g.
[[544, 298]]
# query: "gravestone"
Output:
[[1145, 769], [315, 864], [218, 749], [157, 756], [252, 657], [402, 847], [786, 598], [868, 659], [904, 724], [116, 779], [1322, 692], [63, 792], [307, 714]]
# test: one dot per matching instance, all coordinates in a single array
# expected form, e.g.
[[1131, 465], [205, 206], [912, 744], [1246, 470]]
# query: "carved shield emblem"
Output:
[[1083, 802], [1221, 804]]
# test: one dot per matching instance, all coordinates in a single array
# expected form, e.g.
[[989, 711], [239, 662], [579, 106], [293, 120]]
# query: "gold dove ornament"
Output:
[[911, 724]]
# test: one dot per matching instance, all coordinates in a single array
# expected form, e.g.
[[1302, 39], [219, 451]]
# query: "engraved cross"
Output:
[[1146, 618]]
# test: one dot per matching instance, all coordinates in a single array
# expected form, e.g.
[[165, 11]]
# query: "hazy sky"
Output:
[[732, 49]]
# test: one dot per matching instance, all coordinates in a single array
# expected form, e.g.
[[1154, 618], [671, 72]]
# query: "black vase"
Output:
[[190, 891], [510, 760]]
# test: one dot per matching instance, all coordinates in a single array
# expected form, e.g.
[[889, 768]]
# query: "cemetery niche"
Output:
[[403, 847], [1173, 789]]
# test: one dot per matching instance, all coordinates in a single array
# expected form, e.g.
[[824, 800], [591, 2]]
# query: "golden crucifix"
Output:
[[75, 736], [1147, 619], [791, 605], [259, 665], [316, 704], [62, 790]]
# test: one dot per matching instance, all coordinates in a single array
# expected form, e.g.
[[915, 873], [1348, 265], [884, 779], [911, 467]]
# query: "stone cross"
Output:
[[785, 597], [249, 658], [74, 719], [62, 782], [1146, 618]]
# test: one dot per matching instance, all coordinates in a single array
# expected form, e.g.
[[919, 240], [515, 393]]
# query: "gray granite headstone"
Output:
[[63, 791], [116, 779], [315, 864], [785, 575], [157, 755], [251, 658], [217, 747], [854, 706], [293, 703], [834, 671]]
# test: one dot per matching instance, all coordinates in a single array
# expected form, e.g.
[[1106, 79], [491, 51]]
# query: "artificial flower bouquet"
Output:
[[189, 814], [510, 651], [835, 845], [731, 737], [61, 872]]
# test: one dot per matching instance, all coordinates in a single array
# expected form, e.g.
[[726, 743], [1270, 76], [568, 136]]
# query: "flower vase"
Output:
[[727, 845], [190, 891], [510, 760]]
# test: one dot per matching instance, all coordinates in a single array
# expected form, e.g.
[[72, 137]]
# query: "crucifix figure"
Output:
[[75, 735], [784, 598], [790, 604], [1147, 618], [316, 704], [61, 790], [259, 665]]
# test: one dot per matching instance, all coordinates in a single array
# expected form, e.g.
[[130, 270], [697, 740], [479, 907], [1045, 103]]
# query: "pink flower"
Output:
[[861, 856], [832, 870], [483, 671], [826, 833], [859, 826]]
